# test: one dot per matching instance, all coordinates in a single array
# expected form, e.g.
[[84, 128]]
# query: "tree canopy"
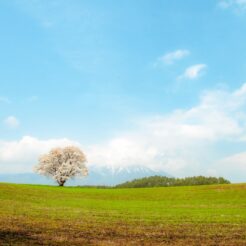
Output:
[[62, 164]]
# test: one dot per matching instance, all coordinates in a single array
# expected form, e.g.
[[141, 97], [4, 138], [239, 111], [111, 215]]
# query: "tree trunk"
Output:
[[61, 183]]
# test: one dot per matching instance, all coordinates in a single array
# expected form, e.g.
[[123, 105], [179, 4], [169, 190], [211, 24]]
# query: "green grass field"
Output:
[[196, 215]]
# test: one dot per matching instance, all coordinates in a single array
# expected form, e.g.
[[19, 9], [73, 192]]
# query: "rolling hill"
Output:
[[56, 216]]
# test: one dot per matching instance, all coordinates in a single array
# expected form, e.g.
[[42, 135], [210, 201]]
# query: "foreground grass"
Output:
[[197, 215]]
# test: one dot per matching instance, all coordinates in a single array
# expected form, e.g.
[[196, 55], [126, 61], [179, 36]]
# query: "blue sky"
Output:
[[101, 72]]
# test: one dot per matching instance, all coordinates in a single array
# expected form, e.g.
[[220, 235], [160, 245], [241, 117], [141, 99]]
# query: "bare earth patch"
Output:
[[18, 233]]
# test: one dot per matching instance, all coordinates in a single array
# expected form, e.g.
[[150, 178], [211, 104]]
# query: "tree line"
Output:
[[162, 181]]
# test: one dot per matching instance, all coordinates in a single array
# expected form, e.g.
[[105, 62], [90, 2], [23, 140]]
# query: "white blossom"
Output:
[[62, 164]]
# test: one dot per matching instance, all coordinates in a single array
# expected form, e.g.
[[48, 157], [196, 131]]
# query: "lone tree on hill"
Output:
[[62, 164]]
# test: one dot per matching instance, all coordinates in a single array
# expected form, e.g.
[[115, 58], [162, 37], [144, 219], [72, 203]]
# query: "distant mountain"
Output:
[[100, 175], [111, 176], [25, 178]]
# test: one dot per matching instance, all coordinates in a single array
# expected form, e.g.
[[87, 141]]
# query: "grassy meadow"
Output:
[[195, 215]]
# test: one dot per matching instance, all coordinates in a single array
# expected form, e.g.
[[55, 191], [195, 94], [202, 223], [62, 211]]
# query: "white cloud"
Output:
[[182, 143], [235, 161], [233, 166], [12, 122], [193, 72], [21, 155], [172, 57], [186, 142]]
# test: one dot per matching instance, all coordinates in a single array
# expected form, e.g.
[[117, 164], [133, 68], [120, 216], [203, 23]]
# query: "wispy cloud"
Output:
[[193, 72], [12, 122], [60, 18], [236, 5], [5, 100], [171, 57], [32, 99], [42, 11]]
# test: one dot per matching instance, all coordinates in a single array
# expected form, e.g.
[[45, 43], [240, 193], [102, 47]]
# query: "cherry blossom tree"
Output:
[[62, 164]]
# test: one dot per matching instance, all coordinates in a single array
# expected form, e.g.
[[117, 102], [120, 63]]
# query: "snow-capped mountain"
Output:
[[107, 175], [98, 175]]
